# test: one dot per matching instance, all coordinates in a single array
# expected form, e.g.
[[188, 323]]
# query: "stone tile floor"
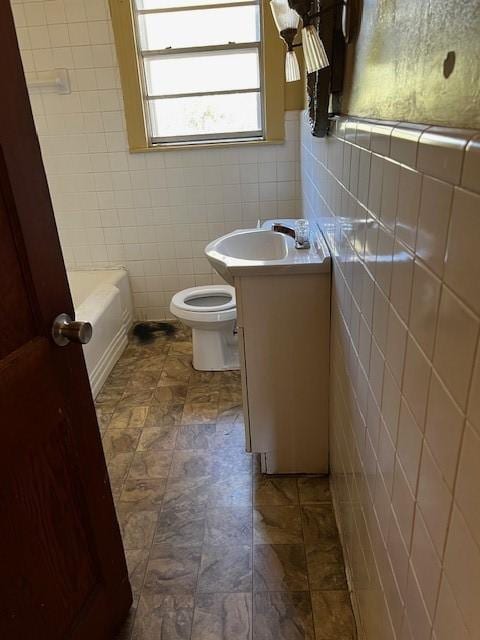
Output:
[[215, 549]]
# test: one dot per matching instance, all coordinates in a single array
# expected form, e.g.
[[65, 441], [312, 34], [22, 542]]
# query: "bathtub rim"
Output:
[[104, 290]]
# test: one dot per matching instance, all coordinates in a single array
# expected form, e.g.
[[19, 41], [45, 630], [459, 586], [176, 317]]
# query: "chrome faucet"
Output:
[[301, 242], [282, 228]]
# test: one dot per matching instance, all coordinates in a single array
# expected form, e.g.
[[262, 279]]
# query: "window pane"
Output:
[[198, 28], [168, 4], [204, 72], [204, 115]]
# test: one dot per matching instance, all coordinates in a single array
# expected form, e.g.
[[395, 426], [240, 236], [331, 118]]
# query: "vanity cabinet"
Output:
[[284, 336]]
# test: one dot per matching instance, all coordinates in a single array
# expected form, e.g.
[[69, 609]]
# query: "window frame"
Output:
[[277, 95]]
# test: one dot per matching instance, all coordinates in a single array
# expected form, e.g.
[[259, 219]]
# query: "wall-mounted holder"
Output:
[[58, 81]]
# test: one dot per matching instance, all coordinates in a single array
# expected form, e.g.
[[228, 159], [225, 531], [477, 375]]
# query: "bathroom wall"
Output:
[[400, 206], [152, 212], [415, 61]]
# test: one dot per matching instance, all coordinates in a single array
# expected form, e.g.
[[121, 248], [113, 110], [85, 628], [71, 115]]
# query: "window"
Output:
[[199, 71]]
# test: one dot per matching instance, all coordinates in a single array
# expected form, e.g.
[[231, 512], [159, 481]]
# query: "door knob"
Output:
[[65, 330]]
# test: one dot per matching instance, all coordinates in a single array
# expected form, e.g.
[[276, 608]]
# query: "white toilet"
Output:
[[211, 312]]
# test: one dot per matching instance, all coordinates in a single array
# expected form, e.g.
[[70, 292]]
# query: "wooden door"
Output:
[[62, 566]]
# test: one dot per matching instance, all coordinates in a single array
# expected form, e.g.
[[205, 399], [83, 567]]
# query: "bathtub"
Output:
[[102, 298]]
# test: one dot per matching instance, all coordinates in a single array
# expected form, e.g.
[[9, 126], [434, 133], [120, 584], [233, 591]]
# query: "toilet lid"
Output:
[[205, 299]]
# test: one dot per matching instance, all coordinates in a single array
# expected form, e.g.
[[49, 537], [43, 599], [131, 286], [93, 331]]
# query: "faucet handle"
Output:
[[302, 234]]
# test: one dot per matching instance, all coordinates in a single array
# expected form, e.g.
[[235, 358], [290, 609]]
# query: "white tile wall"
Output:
[[152, 212], [400, 205]]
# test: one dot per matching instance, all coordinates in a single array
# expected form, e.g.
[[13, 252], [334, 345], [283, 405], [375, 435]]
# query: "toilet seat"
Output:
[[182, 298], [208, 313]]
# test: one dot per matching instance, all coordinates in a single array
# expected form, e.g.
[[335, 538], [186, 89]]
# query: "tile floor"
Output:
[[216, 550]]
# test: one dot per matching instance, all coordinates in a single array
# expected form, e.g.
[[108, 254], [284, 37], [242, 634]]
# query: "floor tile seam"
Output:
[[281, 591], [127, 473], [198, 592], [140, 592], [252, 537], [306, 566], [151, 543], [197, 579], [199, 564]]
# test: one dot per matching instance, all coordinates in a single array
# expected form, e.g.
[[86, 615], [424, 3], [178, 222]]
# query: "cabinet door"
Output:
[[285, 353]]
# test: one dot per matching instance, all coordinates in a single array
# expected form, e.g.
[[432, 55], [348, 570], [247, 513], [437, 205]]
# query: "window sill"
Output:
[[201, 145]]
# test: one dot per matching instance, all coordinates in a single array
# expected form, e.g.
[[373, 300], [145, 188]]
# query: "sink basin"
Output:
[[264, 252], [253, 244]]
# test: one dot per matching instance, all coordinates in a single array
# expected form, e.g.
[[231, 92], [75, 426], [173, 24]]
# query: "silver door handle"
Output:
[[65, 330]]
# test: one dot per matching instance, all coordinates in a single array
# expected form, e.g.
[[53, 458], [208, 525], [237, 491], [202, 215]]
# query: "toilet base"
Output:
[[215, 350]]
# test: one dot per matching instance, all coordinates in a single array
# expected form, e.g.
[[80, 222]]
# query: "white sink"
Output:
[[253, 244], [262, 252]]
